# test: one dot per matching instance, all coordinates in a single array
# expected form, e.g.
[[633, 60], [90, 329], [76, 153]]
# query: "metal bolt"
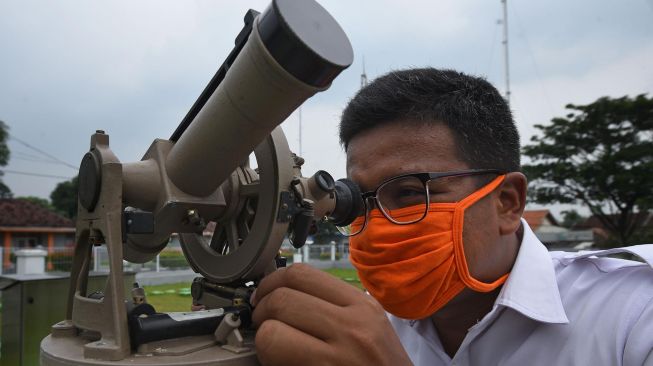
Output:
[[238, 301], [193, 217]]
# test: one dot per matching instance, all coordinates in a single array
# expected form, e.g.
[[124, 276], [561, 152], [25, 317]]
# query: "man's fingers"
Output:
[[291, 307], [280, 344], [309, 280]]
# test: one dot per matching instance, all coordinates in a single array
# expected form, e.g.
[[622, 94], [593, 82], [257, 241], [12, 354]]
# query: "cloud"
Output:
[[135, 68], [537, 101]]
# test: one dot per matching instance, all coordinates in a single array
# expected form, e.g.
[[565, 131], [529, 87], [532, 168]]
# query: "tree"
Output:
[[39, 201], [64, 197], [326, 232], [600, 155], [5, 192], [571, 218]]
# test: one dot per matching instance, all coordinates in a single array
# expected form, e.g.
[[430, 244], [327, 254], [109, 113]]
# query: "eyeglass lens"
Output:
[[402, 193]]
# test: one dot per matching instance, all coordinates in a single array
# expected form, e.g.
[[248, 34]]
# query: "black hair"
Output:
[[470, 106]]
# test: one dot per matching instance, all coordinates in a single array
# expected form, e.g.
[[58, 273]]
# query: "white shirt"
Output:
[[555, 309]]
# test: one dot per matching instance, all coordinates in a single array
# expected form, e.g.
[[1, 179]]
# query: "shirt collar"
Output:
[[532, 289]]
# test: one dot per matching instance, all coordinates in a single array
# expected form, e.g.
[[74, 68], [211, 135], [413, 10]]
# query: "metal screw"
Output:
[[193, 217]]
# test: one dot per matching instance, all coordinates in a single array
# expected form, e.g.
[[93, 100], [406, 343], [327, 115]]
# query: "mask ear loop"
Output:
[[459, 249]]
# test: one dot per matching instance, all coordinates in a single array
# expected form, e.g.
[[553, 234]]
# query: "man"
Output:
[[443, 250]]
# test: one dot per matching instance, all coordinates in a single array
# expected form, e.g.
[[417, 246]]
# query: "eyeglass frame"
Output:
[[425, 178]]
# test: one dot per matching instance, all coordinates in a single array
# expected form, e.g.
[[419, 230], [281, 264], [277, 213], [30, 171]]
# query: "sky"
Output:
[[134, 68]]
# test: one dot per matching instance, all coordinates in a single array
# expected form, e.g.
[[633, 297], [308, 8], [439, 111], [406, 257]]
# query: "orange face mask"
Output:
[[414, 270]]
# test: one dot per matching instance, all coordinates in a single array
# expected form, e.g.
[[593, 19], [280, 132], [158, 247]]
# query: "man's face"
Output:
[[403, 147]]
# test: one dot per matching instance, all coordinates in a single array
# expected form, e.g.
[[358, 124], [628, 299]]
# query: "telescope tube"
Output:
[[294, 51]]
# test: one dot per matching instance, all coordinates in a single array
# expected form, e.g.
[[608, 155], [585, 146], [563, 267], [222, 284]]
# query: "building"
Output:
[[642, 220], [553, 235], [24, 224]]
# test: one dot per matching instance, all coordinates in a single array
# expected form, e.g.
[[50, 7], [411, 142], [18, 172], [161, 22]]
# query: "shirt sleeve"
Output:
[[639, 345]]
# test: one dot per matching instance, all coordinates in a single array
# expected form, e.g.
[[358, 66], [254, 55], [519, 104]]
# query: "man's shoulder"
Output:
[[628, 264], [611, 297], [597, 283]]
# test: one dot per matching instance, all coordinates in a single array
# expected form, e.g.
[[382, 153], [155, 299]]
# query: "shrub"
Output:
[[172, 259]]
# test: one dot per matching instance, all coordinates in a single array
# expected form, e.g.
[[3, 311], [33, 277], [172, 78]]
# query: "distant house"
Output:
[[643, 220], [24, 224], [552, 235], [541, 220]]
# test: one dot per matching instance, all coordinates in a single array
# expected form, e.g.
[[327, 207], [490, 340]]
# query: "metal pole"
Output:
[[158, 263], [363, 75], [300, 131], [505, 48], [298, 253]]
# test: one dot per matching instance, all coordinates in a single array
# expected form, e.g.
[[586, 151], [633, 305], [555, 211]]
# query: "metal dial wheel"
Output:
[[248, 235]]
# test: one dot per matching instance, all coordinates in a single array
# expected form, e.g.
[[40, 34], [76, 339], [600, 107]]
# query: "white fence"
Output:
[[171, 258], [61, 260]]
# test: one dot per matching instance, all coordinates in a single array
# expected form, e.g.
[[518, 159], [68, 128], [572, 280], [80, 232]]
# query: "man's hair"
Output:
[[471, 107]]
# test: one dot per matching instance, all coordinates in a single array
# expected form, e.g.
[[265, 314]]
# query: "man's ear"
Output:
[[511, 202]]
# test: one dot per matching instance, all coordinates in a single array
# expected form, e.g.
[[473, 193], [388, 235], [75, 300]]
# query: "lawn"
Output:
[[176, 297], [348, 275]]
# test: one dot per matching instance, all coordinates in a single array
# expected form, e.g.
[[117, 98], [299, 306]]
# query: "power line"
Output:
[[36, 160], [34, 174], [42, 152], [532, 57], [19, 155], [27, 155]]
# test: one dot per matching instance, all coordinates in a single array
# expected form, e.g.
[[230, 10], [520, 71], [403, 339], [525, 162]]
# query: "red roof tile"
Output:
[[17, 212], [534, 218]]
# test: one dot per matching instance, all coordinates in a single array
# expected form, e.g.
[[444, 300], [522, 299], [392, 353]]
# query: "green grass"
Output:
[[171, 297], [166, 298], [348, 275]]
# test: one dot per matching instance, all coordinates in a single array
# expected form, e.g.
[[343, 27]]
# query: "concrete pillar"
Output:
[[96, 258], [333, 251], [307, 251], [297, 257], [30, 261], [7, 252], [50, 249]]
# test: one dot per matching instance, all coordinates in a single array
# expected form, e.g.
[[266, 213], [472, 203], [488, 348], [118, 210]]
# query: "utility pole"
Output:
[[300, 131], [505, 48], [297, 256], [363, 75]]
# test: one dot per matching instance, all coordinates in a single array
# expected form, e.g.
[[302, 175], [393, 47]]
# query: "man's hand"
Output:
[[308, 317]]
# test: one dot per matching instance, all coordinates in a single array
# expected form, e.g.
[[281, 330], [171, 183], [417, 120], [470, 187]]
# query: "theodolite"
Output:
[[202, 174]]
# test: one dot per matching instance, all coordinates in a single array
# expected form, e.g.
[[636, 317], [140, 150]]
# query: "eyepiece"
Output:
[[349, 203]]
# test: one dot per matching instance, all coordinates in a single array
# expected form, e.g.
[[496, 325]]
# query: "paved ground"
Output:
[[149, 278]]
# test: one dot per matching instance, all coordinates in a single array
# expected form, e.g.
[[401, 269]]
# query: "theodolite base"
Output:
[[191, 351]]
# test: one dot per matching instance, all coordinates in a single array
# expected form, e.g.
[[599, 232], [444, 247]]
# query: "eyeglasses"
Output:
[[405, 191]]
